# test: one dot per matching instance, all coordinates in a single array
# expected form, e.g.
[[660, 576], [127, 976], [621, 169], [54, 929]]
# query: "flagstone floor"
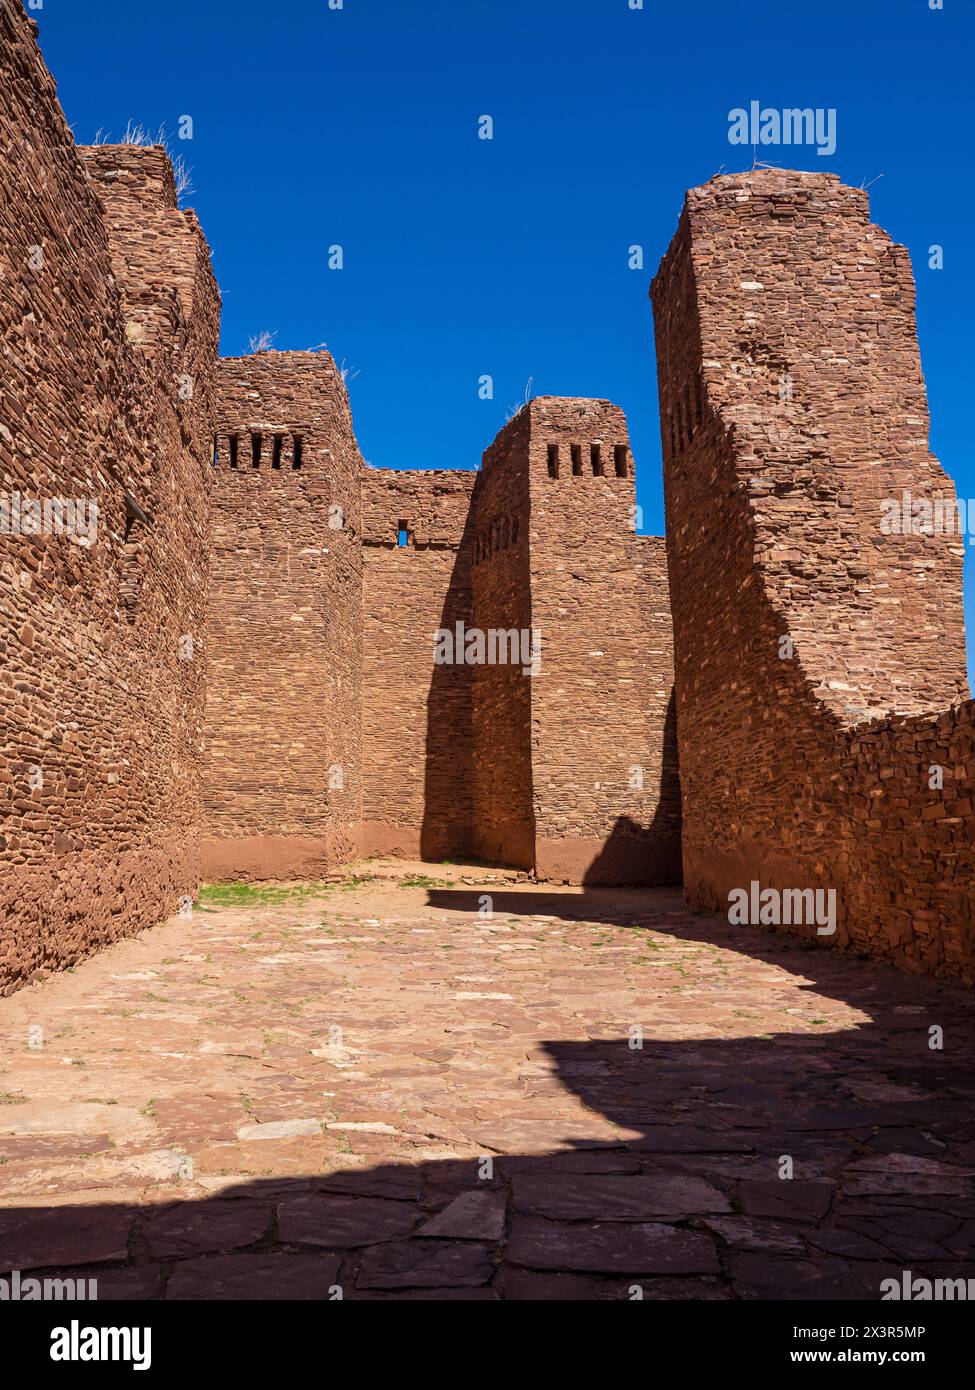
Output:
[[386, 1090]]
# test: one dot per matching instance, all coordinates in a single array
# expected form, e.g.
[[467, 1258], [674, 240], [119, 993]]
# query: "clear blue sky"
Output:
[[465, 257]]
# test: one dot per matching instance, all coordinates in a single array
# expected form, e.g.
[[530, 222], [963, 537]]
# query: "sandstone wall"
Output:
[[906, 839], [661, 810], [605, 809], [100, 692], [417, 775], [283, 765], [792, 405], [574, 765], [503, 816]]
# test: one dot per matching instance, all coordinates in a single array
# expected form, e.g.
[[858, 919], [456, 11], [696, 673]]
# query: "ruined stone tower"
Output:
[[284, 713], [792, 406], [574, 772], [418, 749]]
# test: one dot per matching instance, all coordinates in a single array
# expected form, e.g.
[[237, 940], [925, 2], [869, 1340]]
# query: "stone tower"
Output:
[[793, 411], [574, 766], [284, 722]]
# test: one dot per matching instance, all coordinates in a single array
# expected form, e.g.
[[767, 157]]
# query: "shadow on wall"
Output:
[[647, 854], [448, 791], [668, 1174]]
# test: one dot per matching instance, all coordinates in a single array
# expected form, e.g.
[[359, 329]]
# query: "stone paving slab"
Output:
[[380, 1093]]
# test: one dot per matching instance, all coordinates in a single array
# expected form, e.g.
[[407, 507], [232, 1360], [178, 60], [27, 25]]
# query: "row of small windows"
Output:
[[502, 532], [240, 453], [596, 461], [685, 417]]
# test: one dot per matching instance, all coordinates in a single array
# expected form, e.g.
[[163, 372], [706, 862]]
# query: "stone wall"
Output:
[[417, 793], [792, 407], [103, 634], [661, 808], [906, 840], [574, 764], [605, 807], [284, 710], [441, 758], [503, 803]]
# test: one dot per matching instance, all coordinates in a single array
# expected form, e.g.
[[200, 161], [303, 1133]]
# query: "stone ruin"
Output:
[[236, 671]]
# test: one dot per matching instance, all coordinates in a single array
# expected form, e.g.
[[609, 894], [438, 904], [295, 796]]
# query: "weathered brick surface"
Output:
[[792, 404], [504, 813], [417, 788], [661, 809], [284, 711], [606, 809], [906, 851], [100, 718], [569, 764]]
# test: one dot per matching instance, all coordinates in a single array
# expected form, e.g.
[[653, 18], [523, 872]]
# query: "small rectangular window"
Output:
[[297, 446], [619, 459], [256, 450], [596, 459], [553, 460], [233, 451], [276, 455], [216, 451], [577, 459], [402, 535]]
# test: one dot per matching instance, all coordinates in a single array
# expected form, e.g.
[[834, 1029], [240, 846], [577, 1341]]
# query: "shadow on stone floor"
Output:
[[673, 1184]]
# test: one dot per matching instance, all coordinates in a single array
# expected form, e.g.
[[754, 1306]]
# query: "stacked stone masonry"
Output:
[[825, 736], [283, 765], [417, 787], [270, 658], [107, 305]]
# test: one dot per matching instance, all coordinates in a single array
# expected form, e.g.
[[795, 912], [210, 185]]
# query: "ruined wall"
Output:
[[100, 694], [323, 655], [574, 763], [570, 771], [503, 829], [792, 406], [284, 710], [417, 776], [600, 698], [661, 810], [906, 839]]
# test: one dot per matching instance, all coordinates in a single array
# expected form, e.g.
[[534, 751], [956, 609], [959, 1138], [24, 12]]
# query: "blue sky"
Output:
[[358, 127]]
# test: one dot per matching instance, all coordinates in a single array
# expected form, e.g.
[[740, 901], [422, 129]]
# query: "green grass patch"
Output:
[[240, 894]]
